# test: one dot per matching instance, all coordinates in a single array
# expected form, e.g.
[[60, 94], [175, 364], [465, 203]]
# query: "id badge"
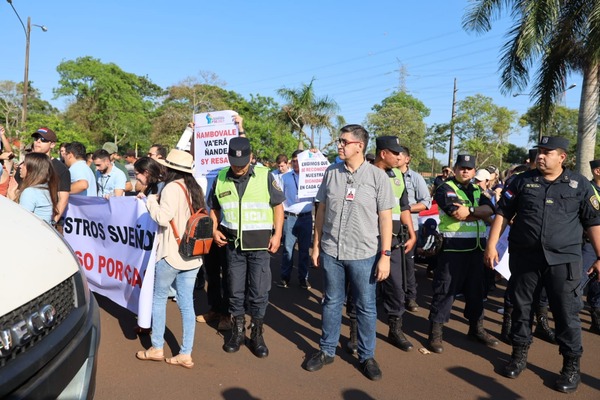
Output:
[[350, 193]]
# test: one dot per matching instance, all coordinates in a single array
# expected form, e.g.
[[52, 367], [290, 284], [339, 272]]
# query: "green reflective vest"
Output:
[[398, 188], [452, 228], [250, 216]]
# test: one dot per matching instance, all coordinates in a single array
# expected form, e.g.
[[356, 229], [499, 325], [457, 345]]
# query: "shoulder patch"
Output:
[[594, 202], [276, 185]]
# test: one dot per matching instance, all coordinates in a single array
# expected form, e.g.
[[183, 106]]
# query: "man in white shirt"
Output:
[[83, 181], [297, 226]]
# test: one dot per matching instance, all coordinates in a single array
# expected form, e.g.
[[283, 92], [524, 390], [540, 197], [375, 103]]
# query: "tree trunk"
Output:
[[588, 120]]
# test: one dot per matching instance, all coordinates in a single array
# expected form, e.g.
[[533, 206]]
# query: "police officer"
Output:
[[247, 214], [387, 157], [460, 269], [589, 256], [550, 207]]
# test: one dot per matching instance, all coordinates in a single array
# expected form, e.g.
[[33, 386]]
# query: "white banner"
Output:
[[312, 168], [114, 241], [211, 140]]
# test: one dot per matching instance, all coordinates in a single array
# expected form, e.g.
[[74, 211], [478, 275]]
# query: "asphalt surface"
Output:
[[466, 369]]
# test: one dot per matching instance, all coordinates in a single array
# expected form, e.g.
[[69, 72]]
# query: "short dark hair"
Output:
[[359, 133], [160, 150], [101, 154], [77, 149], [281, 158], [296, 152], [406, 150]]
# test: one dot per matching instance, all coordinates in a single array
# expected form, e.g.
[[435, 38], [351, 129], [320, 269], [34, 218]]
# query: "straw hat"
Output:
[[179, 160]]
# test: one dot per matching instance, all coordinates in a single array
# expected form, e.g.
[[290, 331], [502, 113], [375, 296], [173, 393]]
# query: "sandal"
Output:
[[152, 354], [180, 360]]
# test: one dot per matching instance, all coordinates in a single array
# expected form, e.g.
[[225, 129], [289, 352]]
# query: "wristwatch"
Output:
[[386, 253], [471, 210]]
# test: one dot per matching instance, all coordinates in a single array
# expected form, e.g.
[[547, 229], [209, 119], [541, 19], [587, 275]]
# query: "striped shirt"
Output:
[[352, 202]]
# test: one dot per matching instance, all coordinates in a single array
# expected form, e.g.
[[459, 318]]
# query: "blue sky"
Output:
[[353, 49]]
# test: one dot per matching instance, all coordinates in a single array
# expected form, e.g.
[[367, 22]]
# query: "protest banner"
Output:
[[312, 168], [115, 242], [212, 132]]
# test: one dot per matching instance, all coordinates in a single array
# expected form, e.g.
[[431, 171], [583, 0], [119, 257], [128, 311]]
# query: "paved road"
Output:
[[466, 370]]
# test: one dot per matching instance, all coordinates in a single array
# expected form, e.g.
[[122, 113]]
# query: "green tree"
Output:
[[436, 140], [482, 128], [305, 109], [563, 123], [401, 115], [555, 38], [515, 154], [111, 104]]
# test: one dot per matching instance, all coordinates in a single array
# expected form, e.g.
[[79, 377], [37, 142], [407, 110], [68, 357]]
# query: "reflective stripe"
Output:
[[468, 235]]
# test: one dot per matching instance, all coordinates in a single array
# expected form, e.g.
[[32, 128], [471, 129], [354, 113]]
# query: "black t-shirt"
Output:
[[64, 176]]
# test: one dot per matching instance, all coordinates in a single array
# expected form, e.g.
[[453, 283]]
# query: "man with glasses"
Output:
[[355, 199], [157, 151], [44, 141], [297, 226], [110, 180]]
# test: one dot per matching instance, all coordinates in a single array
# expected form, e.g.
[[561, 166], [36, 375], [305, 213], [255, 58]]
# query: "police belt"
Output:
[[297, 215]]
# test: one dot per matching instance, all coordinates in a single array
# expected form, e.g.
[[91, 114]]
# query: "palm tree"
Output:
[[559, 36], [305, 109]]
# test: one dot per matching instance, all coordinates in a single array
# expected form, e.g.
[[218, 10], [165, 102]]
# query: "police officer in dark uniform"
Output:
[[463, 207], [550, 207], [247, 213], [589, 256]]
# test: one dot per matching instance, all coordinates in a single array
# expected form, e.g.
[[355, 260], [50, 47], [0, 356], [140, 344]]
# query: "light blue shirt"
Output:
[[293, 204], [80, 171], [107, 183], [418, 192], [37, 200]]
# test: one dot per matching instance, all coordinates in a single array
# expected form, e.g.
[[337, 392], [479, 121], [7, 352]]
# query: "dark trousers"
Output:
[[542, 302], [217, 282], [249, 279], [593, 288], [529, 273], [411, 281], [458, 272]]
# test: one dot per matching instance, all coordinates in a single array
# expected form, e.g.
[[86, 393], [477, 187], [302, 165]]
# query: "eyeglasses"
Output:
[[343, 142], [41, 139], [151, 154]]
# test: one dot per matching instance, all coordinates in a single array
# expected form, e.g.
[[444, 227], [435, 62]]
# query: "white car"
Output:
[[49, 321]]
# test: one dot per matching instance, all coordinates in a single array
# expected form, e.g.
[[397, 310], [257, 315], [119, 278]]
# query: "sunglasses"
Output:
[[41, 139]]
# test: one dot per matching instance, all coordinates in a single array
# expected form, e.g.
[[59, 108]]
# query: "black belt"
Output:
[[297, 215]]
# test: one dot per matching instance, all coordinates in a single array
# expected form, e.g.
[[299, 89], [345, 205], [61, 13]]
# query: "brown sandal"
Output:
[[152, 354], [180, 360]]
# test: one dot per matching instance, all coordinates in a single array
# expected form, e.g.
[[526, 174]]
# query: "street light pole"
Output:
[[26, 74]]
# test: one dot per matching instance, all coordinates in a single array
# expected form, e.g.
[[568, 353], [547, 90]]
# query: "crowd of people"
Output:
[[362, 229]]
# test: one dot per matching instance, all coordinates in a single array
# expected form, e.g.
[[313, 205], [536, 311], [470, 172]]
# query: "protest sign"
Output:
[[115, 242], [312, 168], [212, 132]]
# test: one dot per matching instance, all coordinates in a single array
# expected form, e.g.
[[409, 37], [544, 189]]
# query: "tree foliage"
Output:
[[401, 115], [483, 127]]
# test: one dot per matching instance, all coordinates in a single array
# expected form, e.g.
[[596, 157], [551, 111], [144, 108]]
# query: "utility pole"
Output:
[[451, 149]]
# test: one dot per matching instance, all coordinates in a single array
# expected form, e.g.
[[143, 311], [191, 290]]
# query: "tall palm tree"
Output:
[[305, 109], [555, 37]]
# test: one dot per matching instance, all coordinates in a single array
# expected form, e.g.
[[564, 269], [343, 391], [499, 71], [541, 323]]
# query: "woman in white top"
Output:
[[171, 266], [38, 192]]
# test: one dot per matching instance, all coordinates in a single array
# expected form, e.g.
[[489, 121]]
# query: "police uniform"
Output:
[[588, 257], [246, 206], [545, 251], [460, 263]]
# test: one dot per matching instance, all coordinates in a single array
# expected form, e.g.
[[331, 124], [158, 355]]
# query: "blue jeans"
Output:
[[361, 277], [296, 229], [164, 276]]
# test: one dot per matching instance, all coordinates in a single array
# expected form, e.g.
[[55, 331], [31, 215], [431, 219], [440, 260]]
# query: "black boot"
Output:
[[518, 362], [569, 377], [595, 327], [352, 346], [238, 335], [542, 328], [257, 342], [434, 343], [506, 325], [477, 332], [396, 336]]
